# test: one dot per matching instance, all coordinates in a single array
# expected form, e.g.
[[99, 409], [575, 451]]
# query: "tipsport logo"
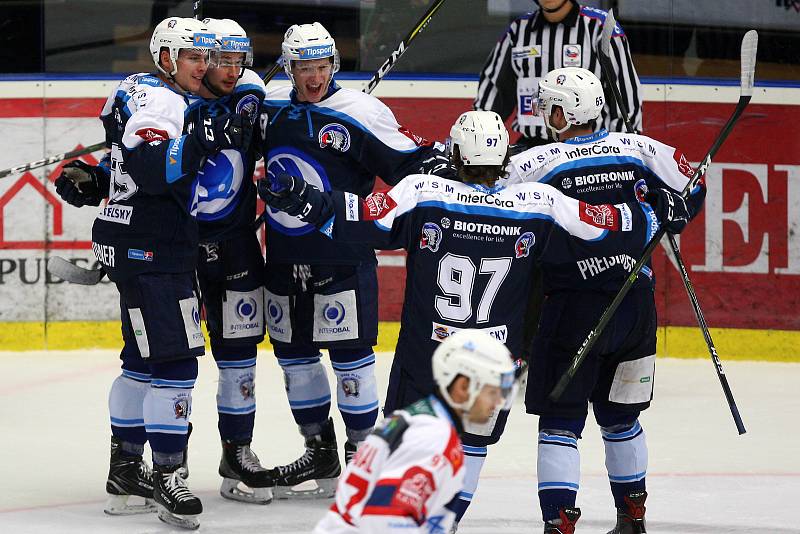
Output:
[[235, 44], [204, 40], [312, 52]]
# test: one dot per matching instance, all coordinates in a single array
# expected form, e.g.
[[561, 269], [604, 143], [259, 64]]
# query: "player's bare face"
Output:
[[311, 79], [485, 404], [192, 66], [223, 78]]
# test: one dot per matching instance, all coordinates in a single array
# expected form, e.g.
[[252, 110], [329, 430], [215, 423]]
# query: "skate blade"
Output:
[[189, 522], [120, 505], [324, 488], [237, 490]]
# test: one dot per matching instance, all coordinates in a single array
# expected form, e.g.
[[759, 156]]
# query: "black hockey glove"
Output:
[[670, 209], [229, 130], [80, 184], [439, 164], [296, 197]]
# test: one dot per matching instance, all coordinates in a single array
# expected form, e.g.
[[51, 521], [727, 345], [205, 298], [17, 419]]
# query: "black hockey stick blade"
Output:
[[749, 48], [69, 272], [402, 47], [55, 158]]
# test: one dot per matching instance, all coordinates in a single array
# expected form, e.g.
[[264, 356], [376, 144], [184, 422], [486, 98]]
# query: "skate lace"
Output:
[[298, 464], [177, 486], [145, 471], [248, 459]]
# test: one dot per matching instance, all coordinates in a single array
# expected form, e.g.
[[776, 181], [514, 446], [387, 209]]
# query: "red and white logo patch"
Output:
[[683, 164], [602, 216], [418, 139], [152, 134], [416, 487], [377, 205]]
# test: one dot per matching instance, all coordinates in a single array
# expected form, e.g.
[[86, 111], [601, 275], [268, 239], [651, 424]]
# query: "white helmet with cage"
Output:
[[231, 38], [477, 356], [576, 91], [481, 138], [176, 33], [302, 42]]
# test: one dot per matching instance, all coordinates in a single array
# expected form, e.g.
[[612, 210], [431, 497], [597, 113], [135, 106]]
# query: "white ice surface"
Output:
[[703, 478]]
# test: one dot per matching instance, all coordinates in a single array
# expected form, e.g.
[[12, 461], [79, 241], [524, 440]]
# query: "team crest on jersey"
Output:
[[524, 244], [351, 386], [334, 135], [566, 183], [431, 237], [248, 106], [571, 55], [602, 216], [378, 205], [640, 190]]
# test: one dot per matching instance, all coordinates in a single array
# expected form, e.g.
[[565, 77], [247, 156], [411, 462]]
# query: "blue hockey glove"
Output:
[[80, 184], [229, 130], [295, 197], [670, 209]]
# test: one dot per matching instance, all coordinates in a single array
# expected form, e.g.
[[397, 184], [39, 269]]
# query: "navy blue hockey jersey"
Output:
[[608, 168], [471, 250], [148, 224], [340, 143]]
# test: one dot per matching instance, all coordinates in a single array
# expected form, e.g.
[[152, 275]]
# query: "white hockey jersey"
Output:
[[402, 477]]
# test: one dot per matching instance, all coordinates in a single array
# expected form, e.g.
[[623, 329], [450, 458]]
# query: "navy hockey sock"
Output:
[[236, 398], [357, 391]]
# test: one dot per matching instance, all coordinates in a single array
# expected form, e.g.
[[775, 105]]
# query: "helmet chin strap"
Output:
[[211, 89], [553, 129]]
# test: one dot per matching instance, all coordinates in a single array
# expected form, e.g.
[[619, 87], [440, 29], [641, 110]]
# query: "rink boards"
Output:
[[743, 251]]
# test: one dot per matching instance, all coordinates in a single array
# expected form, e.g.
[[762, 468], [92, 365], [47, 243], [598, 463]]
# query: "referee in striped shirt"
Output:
[[561, 33]]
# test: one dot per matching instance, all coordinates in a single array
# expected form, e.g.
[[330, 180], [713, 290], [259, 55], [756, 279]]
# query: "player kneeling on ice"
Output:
[[471, 248], [412, 465]]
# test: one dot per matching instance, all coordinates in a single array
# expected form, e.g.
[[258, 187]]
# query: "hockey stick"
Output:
[[403, 46], [55, 158], [609, 74], [748, 59], [68, 271]]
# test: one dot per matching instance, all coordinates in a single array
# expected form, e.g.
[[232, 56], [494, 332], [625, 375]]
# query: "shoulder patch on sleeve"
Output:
[[603, 216], [377, 205], [391, 430], [421, 407]]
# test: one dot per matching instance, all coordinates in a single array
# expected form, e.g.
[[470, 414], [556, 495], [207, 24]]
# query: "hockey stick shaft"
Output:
[[403, 46], [749, 44], [610, 75], [52, 159]]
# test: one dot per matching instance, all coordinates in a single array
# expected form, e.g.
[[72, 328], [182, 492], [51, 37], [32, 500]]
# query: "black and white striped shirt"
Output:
[[532, 47]]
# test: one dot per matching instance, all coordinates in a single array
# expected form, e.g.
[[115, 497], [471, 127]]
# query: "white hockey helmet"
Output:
[[477, 356], [176, 33], [231, 37], [577, 91], [481, 138], [308, 41]]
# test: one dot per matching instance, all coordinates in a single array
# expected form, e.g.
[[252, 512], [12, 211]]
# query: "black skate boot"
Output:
[[630, 520], [128, 476], [243, 477], [320, 463], [177, 505], [565, 524], [350, 450], [185, 463]]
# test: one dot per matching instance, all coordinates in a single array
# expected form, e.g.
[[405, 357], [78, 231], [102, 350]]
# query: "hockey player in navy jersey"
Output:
[[617, 376], [412, 466], [471, 247], [146, 237], [230, 265], [321, 294]]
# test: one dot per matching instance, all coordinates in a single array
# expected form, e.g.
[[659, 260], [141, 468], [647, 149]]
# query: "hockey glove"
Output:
[[296, 197], [670, 209], [439, 164], [80, 184], [229, 130]]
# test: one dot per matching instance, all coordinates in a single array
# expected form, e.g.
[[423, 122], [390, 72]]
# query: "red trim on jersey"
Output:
[[603, 216], [418, 139]]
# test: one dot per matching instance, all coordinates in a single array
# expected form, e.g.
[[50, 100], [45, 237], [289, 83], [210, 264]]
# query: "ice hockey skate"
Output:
[[350, 450], [630, 520], [128, 476], [177, 505], [319, 466], [243, 477], [565, 524]]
